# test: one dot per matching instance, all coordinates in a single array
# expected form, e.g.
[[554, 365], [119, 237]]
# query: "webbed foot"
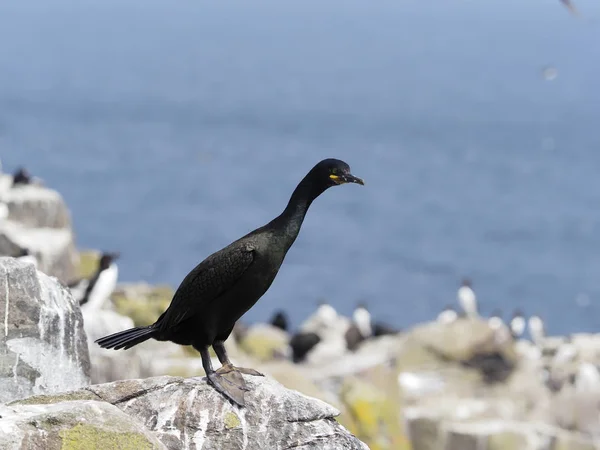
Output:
[[230, 368], [233, 391]]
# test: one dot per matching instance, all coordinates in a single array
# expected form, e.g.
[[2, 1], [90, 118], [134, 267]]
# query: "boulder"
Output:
[[265, 342], [182, 414], [507, 435], [54, 248], [34, 206], [76, 424], [43, 347], [39, 220]]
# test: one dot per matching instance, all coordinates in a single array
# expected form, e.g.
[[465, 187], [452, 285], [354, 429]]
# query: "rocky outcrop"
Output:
[[35, 206], [72, 424], [39, 220], [43, 346], [180, 413], [265, 342]]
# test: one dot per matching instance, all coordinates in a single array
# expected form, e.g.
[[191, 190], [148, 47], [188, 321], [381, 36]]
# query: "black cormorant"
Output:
[[280, 320], [219, 290], [21, 176]]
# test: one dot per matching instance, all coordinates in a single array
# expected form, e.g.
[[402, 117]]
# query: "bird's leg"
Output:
[[234, 393], [219, 347]]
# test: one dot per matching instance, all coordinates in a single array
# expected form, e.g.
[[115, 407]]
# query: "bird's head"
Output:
[[332, 172], [107, 258]]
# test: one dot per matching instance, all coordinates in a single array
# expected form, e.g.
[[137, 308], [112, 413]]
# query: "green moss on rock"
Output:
[[89, 437]]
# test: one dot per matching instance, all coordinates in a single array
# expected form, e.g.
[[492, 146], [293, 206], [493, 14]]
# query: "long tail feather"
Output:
[[127, 339]]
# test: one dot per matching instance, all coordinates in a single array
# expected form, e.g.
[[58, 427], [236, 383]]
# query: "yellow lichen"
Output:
[[232, 420], [372, 412], [144, 307], [88, 437], [263, 347], [88, 263]]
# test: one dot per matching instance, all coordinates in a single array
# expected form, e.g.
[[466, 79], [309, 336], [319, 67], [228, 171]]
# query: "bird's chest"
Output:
[[255, 282], [265, 269]]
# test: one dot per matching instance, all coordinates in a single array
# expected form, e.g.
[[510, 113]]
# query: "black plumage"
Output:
[[219, 290], [384, 329], [302, 343], [280, 320], [21, 176]]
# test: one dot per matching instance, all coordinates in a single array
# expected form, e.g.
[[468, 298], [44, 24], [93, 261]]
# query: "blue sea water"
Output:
[[173, 128]]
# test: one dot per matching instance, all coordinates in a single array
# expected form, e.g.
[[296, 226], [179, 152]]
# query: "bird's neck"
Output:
[[290, 220]]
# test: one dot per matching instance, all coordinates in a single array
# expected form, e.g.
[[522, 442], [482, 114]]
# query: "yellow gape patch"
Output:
[[335, 178]]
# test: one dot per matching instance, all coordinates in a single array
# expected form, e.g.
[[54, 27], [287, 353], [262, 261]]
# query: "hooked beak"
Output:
[[346, 178], [352, 179]]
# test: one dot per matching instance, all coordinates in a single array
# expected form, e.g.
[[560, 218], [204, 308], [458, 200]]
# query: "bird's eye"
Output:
[[334, 170]]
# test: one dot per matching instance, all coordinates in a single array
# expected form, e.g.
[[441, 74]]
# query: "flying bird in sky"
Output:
[[571, 7]]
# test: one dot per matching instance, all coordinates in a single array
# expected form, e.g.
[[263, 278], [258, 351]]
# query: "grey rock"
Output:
[[75, 424], [424, 434], [54, 248], [35, 206], [43, 347], [189, 414], [495, 434], [39, 220]]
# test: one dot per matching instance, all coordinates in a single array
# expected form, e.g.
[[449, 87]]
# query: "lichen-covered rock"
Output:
[[43, 347], [142, 302], [373, 414], [193, 415], [265, 342], [72, 425], [459, 341], [494, 435], [189, 414]]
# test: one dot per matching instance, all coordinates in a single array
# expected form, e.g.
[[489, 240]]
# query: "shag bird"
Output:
[[21, 177], [94, 291], [467, 299], [302, 343], [323, 332], [280, 320], [219, 290]]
